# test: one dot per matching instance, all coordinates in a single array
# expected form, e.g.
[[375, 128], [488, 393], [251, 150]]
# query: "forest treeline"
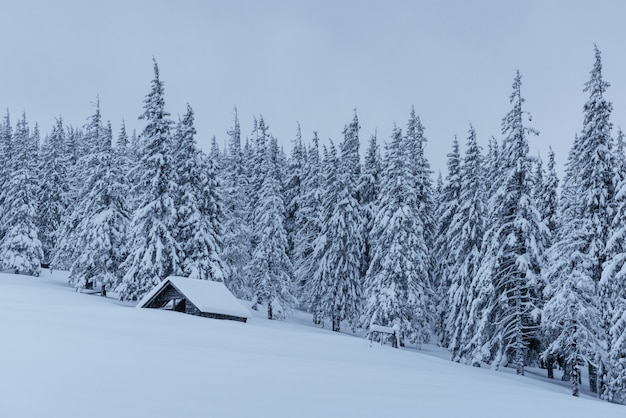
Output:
[[497, 261]]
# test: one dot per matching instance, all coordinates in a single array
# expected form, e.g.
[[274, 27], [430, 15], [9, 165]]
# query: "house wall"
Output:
[[166, 294], [222, 316]]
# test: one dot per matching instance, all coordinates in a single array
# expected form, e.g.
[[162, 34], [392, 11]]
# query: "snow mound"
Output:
[[67, 354]]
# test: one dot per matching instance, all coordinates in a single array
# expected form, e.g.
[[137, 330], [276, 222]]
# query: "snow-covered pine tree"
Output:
[[369, 188], [101, 213], [80, 165], [464, 236], [53, 186], [446, 207], [20, 249], [315, 286], [134, 152], [123, 150], [571, 315], [6, 147], [613, 283], [547, 197], [214, 151], [308, 220], [560, 326], [438, 187], [293, 193], [493, 163], [396, 284], [153, 251], [237, 233], [198, 231], [123, 142], [416, 142], [6, 159], [270, 266], [255, 157], [620, 158], [76, 147], [514, 252], [593, 169], [341, 244]]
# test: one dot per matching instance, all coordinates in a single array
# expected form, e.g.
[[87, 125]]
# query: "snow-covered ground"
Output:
[[66, 354]]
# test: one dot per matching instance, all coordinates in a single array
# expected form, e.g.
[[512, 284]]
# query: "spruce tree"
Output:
[[308, 219], [571, 315], [465, 239], [416, 143], [547, 196], [514, 252], [293, 193], [153, 251], [6, 161], [446, 208], [123, 150], [396, 290], [53, 186], [20, 249], [270, 265], [493, 163], [369, 189], [237, 233], [255, 157], [340, 248], [598, 194], [613, 284], [198, 227], [101, 213], [80, 165], [588, 202], [315, 287]]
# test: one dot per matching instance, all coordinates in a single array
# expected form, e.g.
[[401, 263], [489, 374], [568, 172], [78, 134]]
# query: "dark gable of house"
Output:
[[171, 299]]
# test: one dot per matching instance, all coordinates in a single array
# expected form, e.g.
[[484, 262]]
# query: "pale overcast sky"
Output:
[[314, 62]]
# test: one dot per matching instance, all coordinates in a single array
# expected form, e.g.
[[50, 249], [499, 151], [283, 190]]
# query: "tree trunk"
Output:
[[593, 378], [603, 389], [336, 323], [520, 351], [550, 367], [317, 319], [519, 356], [575, 378], [567, 372]]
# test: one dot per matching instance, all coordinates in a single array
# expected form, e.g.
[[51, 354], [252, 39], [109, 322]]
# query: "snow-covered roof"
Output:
[[206, 295]]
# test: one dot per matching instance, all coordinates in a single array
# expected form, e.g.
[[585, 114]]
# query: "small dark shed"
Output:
[[195, 297]]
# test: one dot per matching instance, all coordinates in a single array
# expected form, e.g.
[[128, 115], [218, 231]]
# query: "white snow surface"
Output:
[[207, 295], [67, 354]]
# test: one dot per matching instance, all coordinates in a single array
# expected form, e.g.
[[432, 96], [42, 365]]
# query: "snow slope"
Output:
[[66, 354]]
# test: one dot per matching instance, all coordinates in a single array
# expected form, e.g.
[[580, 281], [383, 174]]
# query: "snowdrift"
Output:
[[66, 354]]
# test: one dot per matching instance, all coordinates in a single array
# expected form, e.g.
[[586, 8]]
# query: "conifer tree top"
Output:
[[154, 103], [596, 85]]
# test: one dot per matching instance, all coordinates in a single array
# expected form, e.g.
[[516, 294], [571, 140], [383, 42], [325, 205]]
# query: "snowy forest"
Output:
[[497, 260]]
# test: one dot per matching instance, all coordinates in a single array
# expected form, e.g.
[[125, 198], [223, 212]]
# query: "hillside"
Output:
[[74, 355]]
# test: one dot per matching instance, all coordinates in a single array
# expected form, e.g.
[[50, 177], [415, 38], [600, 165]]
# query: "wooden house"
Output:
[[195, 297]]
